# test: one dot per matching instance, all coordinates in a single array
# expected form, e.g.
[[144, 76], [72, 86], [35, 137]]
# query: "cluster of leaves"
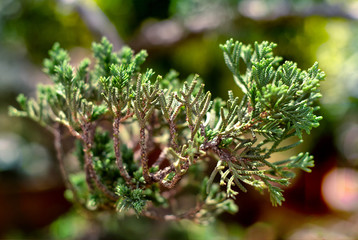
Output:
[[139, 135]]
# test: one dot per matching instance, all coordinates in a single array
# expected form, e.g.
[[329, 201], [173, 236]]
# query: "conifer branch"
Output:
[[181, 122]]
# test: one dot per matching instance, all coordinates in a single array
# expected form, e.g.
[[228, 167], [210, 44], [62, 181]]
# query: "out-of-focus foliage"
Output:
[[342, 87], [37, 24], [72, 226], [339, 55], [128, 16]]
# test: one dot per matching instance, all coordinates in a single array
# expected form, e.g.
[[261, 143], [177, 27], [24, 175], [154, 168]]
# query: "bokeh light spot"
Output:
[[340, 189]]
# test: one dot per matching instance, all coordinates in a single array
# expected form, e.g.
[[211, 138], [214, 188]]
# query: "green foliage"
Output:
[[130, 199], [122, 116]]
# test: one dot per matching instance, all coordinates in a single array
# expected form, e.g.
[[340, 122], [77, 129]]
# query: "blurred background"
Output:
[[183, 35]]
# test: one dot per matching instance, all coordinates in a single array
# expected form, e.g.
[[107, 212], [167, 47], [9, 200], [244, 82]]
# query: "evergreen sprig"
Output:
[[162, 130]]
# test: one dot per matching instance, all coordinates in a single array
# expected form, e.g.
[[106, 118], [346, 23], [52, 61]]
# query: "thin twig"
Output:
[[144, 157], [173, 134], [117, 150], [191, 214], [89, 168], [59, 155]]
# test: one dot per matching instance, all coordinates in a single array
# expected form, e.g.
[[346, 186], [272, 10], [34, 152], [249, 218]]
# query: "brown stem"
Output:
[[87, 137], [144, 157], [160, 175], [173, 182], [172, 129], [73, 132], [150, 129], [59, 155], [178, 176], [87, 156], [191, 214], [118, 153]]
